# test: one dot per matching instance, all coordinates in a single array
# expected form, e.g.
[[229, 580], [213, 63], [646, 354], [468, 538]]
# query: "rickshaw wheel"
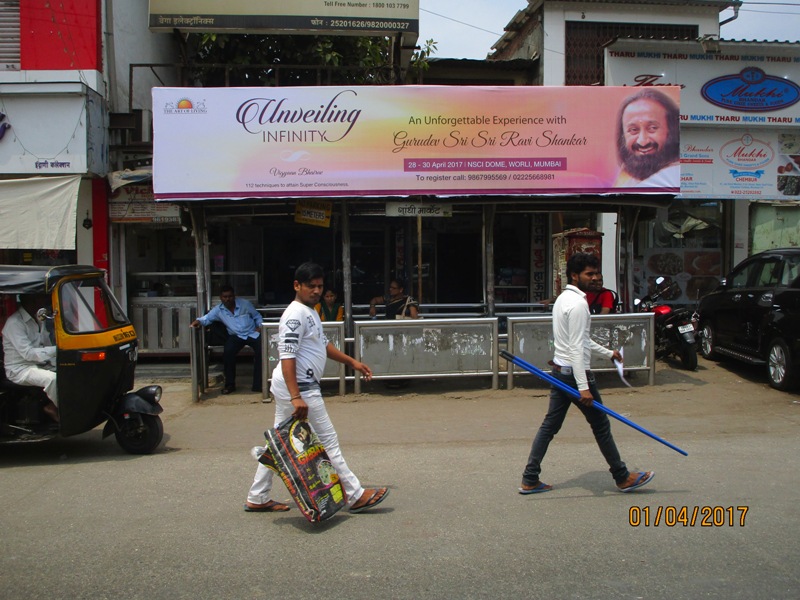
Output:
[[143, 439]]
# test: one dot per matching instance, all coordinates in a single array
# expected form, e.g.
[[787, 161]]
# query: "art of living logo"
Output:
[[185, 106]]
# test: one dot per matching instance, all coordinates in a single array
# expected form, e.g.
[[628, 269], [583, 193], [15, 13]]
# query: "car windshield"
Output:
[[87, 305]]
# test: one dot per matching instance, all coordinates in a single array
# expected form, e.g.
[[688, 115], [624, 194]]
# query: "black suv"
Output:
[[754, 315]]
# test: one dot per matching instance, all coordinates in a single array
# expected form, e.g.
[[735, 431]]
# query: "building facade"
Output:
[[487, 255], [68, 85], [729, 206]]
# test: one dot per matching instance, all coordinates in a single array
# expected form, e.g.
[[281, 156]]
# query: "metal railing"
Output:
[[456, 310], [425, 348], [442, 348], [531, 338]]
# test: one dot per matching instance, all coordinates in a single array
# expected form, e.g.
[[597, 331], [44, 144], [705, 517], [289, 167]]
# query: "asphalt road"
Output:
[[81, 519]]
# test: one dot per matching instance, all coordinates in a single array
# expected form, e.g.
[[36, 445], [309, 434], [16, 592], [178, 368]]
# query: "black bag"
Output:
[[595, 307], [295, 453]]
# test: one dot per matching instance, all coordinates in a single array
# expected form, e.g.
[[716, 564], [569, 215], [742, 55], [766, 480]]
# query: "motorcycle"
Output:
[[96, 352], [675, 329]]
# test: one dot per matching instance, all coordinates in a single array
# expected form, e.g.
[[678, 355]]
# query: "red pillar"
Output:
[[100, 230]]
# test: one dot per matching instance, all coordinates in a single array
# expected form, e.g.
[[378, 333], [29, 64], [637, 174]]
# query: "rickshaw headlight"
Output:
[[152, 392]]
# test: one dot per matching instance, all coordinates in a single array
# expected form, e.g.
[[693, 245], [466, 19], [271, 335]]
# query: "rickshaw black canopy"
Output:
[[26, 279]]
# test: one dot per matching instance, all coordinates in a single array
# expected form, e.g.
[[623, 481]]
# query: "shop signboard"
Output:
[[740, 113], [746, 85], [45, 134], [399, 141], [734, 162], [279, 16], [313, 212], [417, 209], [135, 204]]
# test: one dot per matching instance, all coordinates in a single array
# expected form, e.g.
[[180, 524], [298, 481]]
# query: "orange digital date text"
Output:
[[687, 516]]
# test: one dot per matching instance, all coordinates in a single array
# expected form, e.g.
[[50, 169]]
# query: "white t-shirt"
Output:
[[300, 337], [571, 339]]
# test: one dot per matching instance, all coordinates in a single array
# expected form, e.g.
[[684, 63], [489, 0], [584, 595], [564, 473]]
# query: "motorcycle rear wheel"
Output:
[[689, 358]]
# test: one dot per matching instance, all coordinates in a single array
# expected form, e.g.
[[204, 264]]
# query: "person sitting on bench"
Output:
[[243, 323]]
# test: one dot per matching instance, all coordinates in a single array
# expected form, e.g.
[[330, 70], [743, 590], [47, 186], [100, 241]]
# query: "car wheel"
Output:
[[707, 342], [780, 367]]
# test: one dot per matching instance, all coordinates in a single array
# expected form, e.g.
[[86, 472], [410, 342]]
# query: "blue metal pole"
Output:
[[575, 394]]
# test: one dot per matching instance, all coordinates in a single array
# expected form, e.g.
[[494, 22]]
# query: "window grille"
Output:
[[584, 45]]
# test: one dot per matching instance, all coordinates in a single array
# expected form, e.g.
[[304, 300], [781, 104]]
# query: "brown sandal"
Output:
[[270, 506], [378, 495]]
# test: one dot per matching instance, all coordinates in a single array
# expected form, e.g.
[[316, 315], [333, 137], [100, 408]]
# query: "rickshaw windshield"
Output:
[[88, 306]]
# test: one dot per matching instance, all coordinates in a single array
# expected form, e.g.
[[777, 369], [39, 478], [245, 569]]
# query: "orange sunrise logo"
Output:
[[185, 106]]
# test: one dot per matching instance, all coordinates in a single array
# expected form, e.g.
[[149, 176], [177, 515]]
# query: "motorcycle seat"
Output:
[[8, 385]]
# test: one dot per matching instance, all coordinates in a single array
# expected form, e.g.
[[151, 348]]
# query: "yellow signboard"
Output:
[[313, 212]]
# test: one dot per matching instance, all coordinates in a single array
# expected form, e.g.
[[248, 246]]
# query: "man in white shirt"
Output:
[[29, 355], [571, 360], [303, 349]]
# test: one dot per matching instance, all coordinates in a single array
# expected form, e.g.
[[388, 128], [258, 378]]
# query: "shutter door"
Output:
[[9, 35]]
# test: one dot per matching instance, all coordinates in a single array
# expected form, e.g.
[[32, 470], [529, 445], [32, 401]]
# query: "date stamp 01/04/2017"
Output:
[[687, 516]]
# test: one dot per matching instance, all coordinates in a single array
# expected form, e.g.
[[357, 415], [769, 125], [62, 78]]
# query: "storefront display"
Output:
[[683, 244]]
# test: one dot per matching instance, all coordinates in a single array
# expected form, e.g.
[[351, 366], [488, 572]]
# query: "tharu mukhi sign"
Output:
[[406, 140]]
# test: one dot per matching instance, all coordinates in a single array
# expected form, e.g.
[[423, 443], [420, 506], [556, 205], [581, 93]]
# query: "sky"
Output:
[[469, 28]]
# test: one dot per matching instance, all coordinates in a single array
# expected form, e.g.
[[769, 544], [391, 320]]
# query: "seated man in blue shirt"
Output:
[[243, 323]]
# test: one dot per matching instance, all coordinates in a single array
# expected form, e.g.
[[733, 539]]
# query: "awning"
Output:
[[117, 179], [38, 213]]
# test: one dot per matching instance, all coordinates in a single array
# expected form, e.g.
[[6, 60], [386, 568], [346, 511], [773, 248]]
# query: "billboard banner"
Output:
[[279, 16], [406, 140]]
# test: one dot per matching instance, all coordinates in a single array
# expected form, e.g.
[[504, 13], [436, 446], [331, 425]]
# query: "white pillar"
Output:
[[607, 223]]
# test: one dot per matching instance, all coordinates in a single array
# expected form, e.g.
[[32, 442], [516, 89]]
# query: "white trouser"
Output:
[[38, 377], [321, 424]]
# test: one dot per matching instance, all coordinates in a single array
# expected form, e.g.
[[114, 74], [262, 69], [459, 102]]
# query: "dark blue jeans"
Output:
[[556, 413], [233, 346]]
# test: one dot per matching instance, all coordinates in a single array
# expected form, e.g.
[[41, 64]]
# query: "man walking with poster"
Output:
[[303, 349], [571, 359]]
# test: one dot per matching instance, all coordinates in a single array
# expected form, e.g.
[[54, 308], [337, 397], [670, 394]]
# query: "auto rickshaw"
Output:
[[96, 351]]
